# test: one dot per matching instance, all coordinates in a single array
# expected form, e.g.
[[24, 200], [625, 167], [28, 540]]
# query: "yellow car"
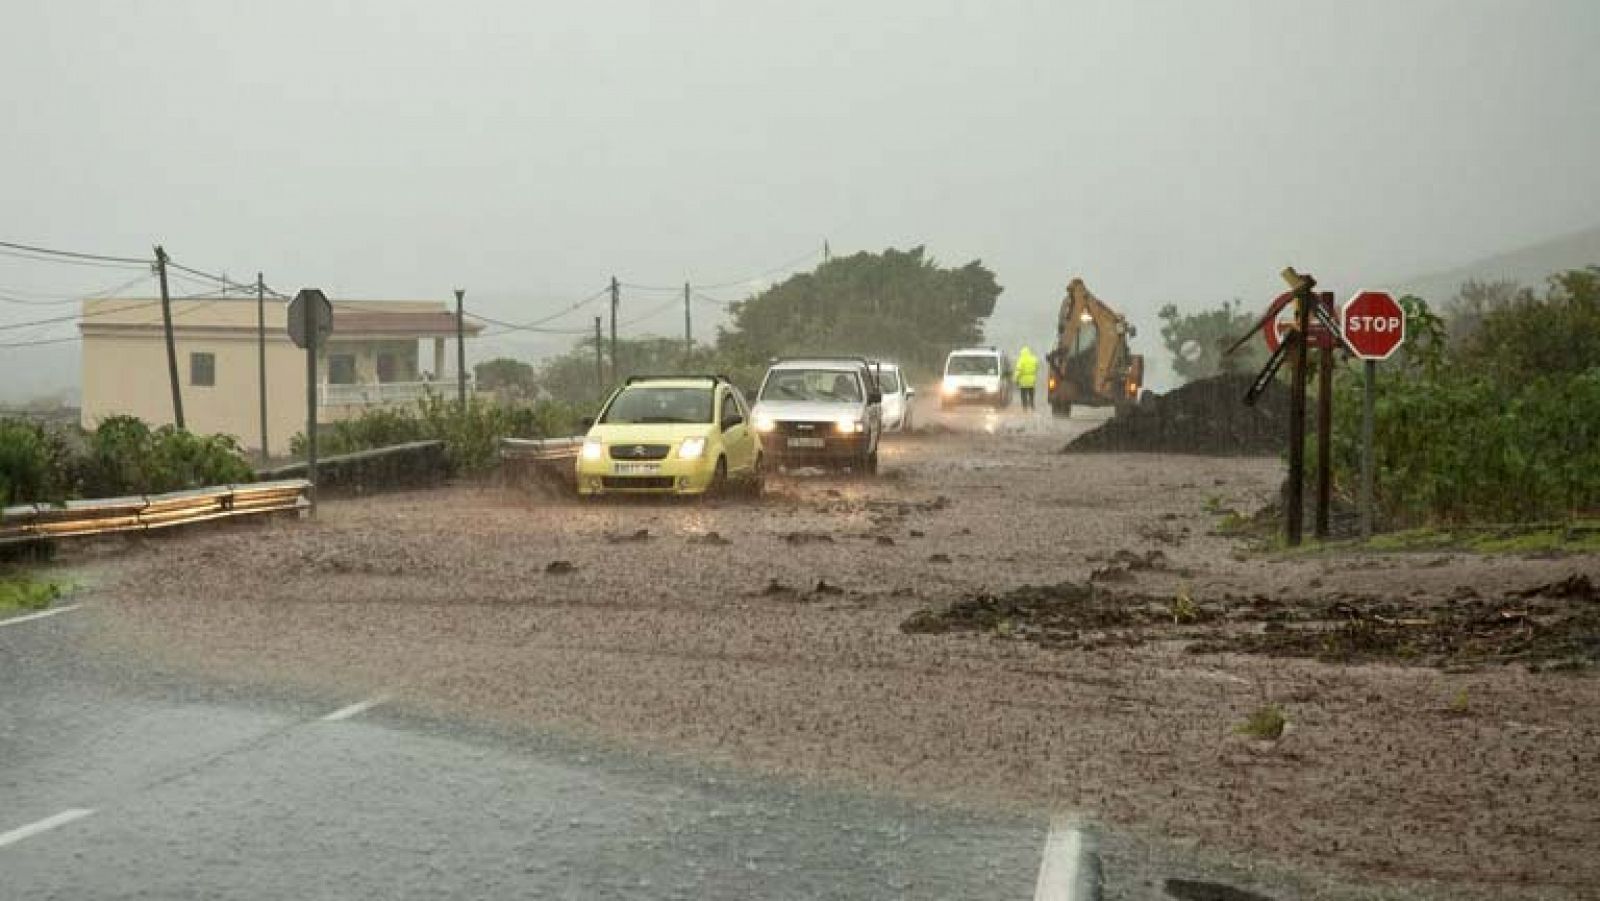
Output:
[[676, 434]]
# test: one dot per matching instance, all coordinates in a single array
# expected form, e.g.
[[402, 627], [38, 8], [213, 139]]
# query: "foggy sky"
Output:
[[1179, 151]]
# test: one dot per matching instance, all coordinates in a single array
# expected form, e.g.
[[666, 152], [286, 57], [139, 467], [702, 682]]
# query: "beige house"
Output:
[[373, 358]]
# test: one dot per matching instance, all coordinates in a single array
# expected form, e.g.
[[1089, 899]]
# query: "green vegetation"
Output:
[[1265, 722], [1197, 340], [471, 436], [21, 594], [1501, 426], [122, 456], [506, 378]]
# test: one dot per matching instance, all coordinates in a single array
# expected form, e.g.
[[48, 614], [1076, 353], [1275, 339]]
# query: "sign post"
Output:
[[1374, 327], [310, 321]]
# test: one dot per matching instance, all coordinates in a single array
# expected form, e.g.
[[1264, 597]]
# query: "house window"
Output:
[[387, 368], [203, 369], [342, 369]]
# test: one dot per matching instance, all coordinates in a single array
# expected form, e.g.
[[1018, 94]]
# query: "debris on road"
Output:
[[1203, 417], [560, 567], [624, 537], [713, 538]]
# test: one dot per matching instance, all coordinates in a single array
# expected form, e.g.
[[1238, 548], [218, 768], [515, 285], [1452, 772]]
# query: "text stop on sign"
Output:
[[1374, 325]]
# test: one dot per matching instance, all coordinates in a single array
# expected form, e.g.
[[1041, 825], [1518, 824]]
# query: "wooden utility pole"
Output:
[[688, 324], [1324, 427], [599, 364], [461, 350], [261, 357], [172, 348], [616, 298], [1294, 505]]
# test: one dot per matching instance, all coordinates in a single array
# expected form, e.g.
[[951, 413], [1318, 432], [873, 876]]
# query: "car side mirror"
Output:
[[911, 392], [874, 397], [586, 423], [731, 420]]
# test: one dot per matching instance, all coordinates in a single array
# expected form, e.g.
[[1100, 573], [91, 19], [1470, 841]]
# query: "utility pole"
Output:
[[827, 252], [616, 298], [1324, 428], [599, 365], [261, 357], [172, 349], [461, 351], [688, 323]]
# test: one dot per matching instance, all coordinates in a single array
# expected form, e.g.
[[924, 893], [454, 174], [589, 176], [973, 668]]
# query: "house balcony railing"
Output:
[[380, 394]]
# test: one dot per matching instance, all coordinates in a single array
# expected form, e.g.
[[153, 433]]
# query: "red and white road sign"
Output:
[[1374, 325], [1281, 322]]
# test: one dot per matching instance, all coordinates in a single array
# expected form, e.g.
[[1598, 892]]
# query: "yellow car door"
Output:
[[738, 438]]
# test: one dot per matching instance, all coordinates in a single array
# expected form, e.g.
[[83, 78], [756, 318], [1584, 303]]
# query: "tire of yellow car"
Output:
[[719, 478]]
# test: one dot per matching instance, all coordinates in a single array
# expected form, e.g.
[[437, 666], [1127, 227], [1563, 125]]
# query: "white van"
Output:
[[976, 375]]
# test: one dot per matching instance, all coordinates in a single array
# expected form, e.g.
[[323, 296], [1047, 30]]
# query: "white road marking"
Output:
[[44, 825], [356, 709], [12, 621], [1061, 875]]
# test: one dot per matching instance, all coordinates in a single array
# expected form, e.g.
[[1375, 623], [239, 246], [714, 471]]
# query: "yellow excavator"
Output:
[[1091, 364]]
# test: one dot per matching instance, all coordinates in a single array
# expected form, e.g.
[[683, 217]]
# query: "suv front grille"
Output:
[[806, 428]]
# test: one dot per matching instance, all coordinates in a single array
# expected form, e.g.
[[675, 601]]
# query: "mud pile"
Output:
[[1204, 417]]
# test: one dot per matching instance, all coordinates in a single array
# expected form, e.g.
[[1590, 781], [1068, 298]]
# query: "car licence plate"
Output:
[[807, 441], [635, 469]]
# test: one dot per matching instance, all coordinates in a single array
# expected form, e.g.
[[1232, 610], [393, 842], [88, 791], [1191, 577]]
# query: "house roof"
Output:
[[235, 316]]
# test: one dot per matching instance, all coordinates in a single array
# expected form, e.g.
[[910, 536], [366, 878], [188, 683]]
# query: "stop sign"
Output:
[[1374, 325]]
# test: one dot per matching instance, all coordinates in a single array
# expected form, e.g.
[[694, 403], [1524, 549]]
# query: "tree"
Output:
[[900, 305], [1197, 340], [1476, 300], [505, 376]]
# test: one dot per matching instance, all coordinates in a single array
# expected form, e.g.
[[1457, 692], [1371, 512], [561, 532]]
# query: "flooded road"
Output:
[[768, 642]]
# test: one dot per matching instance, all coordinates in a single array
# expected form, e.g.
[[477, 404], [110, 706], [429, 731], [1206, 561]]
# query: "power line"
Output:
[[513, 327], [781, 267], [72, 254], [69, 338], [64, 299]]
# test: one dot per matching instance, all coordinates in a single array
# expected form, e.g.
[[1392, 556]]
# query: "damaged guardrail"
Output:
[[137, 513], [544, 460]]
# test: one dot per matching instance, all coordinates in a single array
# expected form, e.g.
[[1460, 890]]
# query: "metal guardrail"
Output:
[[37, 522], [541, 449]]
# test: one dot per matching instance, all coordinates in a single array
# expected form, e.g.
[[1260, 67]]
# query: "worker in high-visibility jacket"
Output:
[[1026, 374]]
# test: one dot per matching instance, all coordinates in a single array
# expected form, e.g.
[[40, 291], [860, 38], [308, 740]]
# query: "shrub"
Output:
[[1264, 722], [35, 464], [471, 436], [1504, 432], [125, 456]]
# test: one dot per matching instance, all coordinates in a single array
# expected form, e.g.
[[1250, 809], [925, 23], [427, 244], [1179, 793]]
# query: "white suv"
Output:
[[976, 375]]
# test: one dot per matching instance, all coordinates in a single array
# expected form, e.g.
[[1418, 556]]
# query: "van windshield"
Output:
[[831, 386], [972, 364]]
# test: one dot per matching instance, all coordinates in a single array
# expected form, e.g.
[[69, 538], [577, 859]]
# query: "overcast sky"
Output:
[[1179, 151]]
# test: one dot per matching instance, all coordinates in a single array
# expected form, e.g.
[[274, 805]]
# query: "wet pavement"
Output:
[[149, 784]]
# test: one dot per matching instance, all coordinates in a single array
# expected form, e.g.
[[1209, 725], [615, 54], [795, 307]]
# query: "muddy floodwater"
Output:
[[801, 636]]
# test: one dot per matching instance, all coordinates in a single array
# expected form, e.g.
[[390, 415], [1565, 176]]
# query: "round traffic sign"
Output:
[[1280, 322], [1374, 324]]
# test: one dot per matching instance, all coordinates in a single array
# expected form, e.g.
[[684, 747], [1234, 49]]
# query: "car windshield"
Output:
[[820, 385], [889, 381], [643, 404], [972, 364]]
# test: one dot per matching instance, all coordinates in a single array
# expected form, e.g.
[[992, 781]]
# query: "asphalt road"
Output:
[[121, 780]]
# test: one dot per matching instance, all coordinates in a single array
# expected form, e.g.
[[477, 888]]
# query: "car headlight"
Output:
[[691, 448], [992, 389], [851, 424], [593, 449], [950, 386], [765, 424]]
